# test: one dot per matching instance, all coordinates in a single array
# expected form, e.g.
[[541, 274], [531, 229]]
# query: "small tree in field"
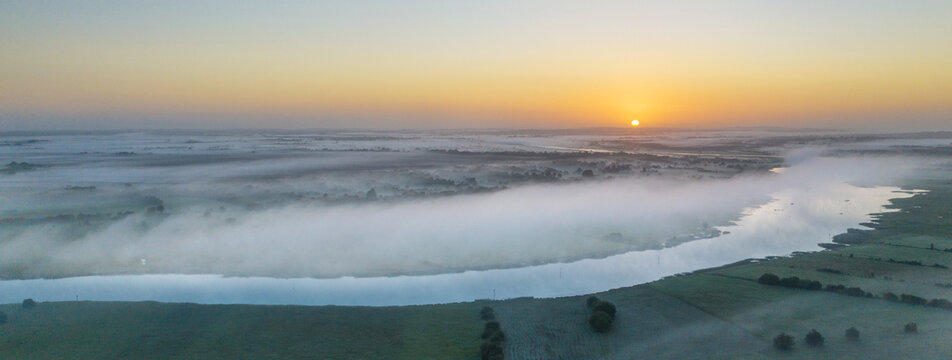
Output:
[[606, 307], [814, 338], [852, 334], [487, 313], [490, 351], [783, 342], [911, 328], [600, 321], [491, 328], [769, 279], [29, 304]]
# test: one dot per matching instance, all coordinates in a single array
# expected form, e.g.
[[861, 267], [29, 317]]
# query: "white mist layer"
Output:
[[796, 219], [512, 228]]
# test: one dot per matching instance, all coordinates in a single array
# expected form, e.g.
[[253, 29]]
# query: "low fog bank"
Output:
[[793, 220], [521, 226]]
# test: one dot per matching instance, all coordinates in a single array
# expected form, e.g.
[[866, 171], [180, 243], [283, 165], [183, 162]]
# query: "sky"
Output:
[[865, 65]]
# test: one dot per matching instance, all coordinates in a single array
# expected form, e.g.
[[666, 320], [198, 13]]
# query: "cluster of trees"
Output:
[[492, 336], [797, 283], [603, 314], [813, 338], [785, 341], [916, 300], [27, 304]]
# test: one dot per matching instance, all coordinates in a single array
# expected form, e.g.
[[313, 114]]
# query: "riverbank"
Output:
[[716, 313]]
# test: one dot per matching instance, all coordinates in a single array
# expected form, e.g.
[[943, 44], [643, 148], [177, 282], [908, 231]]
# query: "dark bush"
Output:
[[605, 307], [814, 338], [600, 321], [487, 313], [491, 327], [783, 342], [911, 328], [888, 296], [490, 351], [835, 288], [769, 279], [497, 337], [811, 285], [941, 304], [852, 334], [3, 318], [790, 282], [591, 301], [912, 299], [29, 304], [854, 291]]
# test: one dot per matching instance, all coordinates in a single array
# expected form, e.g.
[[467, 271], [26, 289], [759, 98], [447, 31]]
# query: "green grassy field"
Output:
[[149, 330], [716, 313]]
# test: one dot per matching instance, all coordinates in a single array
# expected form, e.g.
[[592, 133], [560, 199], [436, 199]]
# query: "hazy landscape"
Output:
[[409, 218], [492, 180]]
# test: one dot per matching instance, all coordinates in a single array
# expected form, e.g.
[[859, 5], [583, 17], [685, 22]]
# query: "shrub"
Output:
[[783, 342], [814, 338], [497, 337], [790, 282], [854, 291], [852, 334], [912, 299], [835, 288], [888, 296], [600, 321], [591, 301], [811, 285], [941, 304], [769, 279], [490, 351], [911, 328], [491, 327], [29, 304], [3, 318], [487, 313], [605, 307]]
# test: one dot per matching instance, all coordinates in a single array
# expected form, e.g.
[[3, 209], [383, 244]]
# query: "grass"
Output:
[[149, 330]]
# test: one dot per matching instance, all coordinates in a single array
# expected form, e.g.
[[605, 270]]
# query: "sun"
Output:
[[635, 123]]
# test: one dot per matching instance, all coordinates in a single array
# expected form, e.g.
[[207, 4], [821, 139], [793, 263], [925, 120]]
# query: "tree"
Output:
[[487, 313], [783, 342], [600, 321], [769, 279], [588, 173], [911, 328], [606, 307], [912, 299], [888, 296], [491, 327], [790, 282], [811, 285], [497, 337], [852, 334], [814, 338], [29, 303], [591, 301], [490, 351]]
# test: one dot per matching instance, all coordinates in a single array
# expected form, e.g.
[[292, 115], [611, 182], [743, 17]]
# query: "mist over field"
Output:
[[147, 207]]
